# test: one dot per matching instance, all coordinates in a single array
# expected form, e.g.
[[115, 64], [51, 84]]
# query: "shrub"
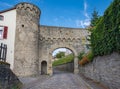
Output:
[[86, 58], [60, 55], [80, 56], [90, 56]]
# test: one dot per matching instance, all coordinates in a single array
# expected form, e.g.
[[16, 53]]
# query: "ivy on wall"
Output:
[[105, 36]]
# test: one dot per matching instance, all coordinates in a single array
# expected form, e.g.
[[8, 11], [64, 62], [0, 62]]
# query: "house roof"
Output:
[[7, 10]]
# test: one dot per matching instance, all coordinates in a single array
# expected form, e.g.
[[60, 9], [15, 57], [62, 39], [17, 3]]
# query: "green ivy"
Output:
[[105, 36]]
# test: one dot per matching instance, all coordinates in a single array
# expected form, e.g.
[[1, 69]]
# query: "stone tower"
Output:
[[26, 40]]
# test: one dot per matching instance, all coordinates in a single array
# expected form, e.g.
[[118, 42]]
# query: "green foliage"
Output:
[[105, 36], [80, 55], [66, 59], [60, 55], [90, 56], [94, 18]]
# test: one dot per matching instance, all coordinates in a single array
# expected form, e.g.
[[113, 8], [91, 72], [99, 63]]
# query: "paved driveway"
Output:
[[58, 81]]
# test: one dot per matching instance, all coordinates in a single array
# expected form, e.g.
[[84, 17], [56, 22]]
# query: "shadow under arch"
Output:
[[43, 67], [53, 47]]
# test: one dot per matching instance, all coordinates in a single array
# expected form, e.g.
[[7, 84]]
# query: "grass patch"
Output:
[[64, 60]]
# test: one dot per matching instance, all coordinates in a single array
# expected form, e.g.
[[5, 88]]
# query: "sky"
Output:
[[61, 50], [63, 13]]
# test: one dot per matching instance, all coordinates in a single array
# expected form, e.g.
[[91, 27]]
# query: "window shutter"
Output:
[[5, 32]]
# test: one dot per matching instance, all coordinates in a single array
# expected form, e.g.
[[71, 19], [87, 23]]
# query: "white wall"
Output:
[[10, 22]]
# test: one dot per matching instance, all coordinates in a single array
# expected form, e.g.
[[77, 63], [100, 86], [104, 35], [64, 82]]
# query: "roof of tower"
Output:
[[3, 11]]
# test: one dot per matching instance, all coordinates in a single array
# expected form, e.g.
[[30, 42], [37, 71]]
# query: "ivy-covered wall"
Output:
[[105, 36]]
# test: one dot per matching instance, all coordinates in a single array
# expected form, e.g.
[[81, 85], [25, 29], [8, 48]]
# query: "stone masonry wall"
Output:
[[8, 80], [68, 67], [26, 40], [60, 36], [105, 69], [52, 38]]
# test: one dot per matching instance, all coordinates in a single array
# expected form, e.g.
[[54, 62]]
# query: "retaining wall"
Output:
[[8, 80], [104, 69]]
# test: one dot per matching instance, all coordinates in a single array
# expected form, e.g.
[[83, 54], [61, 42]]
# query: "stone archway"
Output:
[[53, 47], [43, 67], [52, 38]]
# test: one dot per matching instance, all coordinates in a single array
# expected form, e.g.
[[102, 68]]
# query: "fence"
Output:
[[3, 52]]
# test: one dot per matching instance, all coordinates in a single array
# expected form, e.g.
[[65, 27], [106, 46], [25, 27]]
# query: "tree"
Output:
[[60, 55], [105, 34], [95, 18], [94, 21]]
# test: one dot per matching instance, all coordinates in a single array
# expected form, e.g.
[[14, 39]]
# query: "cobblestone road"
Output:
[[60, 81]]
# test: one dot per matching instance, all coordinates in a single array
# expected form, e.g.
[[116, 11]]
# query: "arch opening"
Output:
[[43, 67], [62, 60]]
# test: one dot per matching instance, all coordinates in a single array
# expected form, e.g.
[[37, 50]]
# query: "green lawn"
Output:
[[66, 59]]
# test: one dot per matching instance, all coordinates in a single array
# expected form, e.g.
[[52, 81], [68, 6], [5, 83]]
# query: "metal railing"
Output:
[[3, 52]]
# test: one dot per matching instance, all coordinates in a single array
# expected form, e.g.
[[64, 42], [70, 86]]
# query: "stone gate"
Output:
[[33, 44], [52, 38]]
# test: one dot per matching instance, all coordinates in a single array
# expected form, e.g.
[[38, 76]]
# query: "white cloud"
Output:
[[86, 22], [83, 23], [85, 9]]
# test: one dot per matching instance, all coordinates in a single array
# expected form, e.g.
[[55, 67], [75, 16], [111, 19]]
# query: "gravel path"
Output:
[[29, 82], [58, 81]]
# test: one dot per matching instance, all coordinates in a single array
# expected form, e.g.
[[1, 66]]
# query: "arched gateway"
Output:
[[52, 38], [53, 47]]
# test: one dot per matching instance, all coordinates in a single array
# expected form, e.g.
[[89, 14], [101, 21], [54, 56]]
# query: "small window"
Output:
[[1, 18], [3, 32]]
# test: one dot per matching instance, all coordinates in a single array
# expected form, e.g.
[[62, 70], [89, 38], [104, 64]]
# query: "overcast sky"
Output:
[[65, 13]]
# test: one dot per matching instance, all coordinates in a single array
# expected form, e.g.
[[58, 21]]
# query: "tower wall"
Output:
[[26, 40]]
